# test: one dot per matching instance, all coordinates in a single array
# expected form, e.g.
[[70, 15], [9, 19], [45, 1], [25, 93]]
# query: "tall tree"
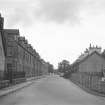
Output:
[[50, 68], [64, 66]]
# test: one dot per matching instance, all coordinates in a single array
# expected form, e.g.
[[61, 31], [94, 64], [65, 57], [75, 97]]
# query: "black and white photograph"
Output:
[[52, 52]]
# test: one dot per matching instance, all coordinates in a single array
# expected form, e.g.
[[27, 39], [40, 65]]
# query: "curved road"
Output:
[[52, 90]]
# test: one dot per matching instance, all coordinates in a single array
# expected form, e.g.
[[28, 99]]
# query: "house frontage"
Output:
[[91, 61], [89, 69], [18, 59], [2, 59]]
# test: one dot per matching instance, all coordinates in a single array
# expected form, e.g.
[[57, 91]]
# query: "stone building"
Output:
[[18, 59], [91, 61], [10, 51], [44, 67], [2, 59], [25, 57]]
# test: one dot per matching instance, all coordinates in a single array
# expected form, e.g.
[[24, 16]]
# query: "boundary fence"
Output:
[[92, 82]]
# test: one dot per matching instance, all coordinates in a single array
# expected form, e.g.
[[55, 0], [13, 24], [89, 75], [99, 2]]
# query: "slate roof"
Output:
[[85, 56]]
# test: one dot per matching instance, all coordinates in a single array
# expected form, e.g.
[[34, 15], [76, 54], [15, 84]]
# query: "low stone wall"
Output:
[[18, 80], [4, 83]]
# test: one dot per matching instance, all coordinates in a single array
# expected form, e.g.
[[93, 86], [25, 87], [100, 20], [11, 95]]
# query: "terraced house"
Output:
[[18, 59], [91, 61]]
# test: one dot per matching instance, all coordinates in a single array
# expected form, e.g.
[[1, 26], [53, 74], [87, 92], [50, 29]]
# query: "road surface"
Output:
[[52, 90]]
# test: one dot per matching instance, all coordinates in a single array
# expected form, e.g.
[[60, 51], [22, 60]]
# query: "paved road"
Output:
[[52, 90]]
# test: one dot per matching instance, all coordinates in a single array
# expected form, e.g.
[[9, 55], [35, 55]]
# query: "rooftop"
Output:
[[88, 52]]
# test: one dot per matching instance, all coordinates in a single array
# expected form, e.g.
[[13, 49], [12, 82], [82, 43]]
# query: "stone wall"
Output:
[[2, 58]]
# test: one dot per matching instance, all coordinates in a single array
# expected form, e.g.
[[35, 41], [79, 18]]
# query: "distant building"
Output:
[[44, 67], [91, 61]]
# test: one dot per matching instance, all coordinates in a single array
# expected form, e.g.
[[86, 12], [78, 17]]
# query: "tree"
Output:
[[64, 66], [50, 68]]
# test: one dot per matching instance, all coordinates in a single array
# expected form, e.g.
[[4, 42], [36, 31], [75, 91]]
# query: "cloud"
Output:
[[18, 12], [20, 16], [60, 10], [26, 12]]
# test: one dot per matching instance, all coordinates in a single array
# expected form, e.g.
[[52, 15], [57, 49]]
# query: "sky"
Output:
[[57, 29]]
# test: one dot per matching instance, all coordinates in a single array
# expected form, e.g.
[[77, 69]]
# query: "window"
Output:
[[0, 50], [10, 38], [9, 51]]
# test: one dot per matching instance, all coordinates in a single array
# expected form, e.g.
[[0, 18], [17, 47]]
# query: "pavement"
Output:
[[17, 87], [51, 90]]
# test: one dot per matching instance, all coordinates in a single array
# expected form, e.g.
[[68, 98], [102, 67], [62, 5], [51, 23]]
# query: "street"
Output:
[[52, 90]]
